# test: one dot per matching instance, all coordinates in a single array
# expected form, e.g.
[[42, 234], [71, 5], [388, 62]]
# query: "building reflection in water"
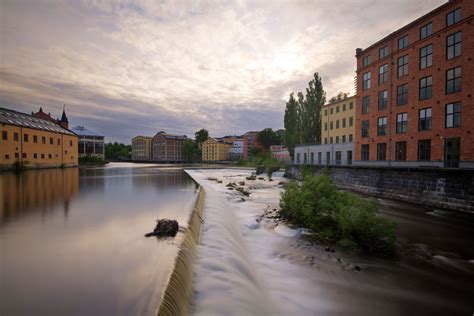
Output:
[[36, 190], [161, 179]]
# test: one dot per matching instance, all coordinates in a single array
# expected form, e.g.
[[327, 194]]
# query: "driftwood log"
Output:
[[164, 227]]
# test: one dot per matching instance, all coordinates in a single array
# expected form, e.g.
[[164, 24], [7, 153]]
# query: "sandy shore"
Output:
[[251, 263]]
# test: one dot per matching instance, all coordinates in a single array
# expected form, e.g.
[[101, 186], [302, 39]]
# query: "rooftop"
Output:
[[82, 131], [11, 117]]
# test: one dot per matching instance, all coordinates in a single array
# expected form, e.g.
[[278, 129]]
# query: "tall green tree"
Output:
[[201, 136], [267, 138], [189, 150], [291, 124], [315, 99]]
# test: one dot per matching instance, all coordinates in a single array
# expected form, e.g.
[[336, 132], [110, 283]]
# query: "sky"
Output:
[[125, 68]]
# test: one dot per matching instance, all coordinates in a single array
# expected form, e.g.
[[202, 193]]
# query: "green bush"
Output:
[[336, 216], [91, 160]]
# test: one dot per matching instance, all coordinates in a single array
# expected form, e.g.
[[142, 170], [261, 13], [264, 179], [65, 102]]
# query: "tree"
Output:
[[117, 152], [340, 96], [189, 150], [267, 138], [291, 124], [201, 136], [281, 136], [315, 99]]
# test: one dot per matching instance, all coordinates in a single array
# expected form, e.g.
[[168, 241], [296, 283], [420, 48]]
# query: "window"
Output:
[[350, 138], [26, 138], [426, 85], [325, 112], [35, 156], [328, 157], [366, 81], [402, 120], [366, 61], [382, 126], [59, 141], [364, 152], [319, 158], [325, 126], [50, 140], [453, 80], [351, 121], [17, 155], [298, 158], [331, 125], [424, 150], [42, 156], [337, 124], [383, 73], [344, 107], [24, 155], [424, 121], [403, 42], [49, 156], [325, 140], [351, 105], [305, 158], [403, 66], [453, 17], [453, 114], [331, 111], [70, 143], [365, 128], [426, 56], [366, 104], [401, 151], [343, 138], [337, 139], [453, 45], [383, 52], [338, 157], [35, 139], [4, 135], [330, 140], [402, 94], [311, 158], [7, 157], [337, 109], [426, 30], [383, 97], [343, 123], [43, 140], [382, 151], [15, 137]]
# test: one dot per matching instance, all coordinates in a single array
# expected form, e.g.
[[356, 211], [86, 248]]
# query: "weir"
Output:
[[179, 291]]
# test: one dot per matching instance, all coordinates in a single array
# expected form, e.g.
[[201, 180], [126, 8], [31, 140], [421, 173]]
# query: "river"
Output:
[[71, 240]]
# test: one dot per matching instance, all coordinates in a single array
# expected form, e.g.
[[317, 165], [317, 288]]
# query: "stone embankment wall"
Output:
[[443, 188]]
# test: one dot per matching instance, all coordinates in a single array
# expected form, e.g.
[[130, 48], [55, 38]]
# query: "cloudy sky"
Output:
[[125, 68]]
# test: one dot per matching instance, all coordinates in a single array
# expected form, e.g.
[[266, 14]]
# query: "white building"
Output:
[[90, 143], [237, 150], [329, 154]]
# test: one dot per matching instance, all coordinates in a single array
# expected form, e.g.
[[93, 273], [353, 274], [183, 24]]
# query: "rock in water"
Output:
[[164, 227]]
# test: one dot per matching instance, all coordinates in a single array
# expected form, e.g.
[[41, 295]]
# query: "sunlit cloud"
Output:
[[136, 67]]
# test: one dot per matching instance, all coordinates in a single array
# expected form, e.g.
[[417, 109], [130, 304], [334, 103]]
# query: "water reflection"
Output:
[[96, 262], [41, 191]]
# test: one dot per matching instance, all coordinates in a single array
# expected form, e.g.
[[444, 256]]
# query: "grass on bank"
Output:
[[337, 216]]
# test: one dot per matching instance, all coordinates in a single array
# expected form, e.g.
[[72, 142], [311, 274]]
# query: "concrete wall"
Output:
[[442, 188]]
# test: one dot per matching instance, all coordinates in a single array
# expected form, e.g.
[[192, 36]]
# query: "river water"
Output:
[[71, 240]]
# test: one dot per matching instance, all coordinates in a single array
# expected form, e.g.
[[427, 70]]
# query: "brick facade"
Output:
[[439, 136]]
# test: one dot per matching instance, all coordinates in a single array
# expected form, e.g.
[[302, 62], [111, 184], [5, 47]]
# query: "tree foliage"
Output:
[[189, 150], [340, 96], [291, 124], [117, 152], [268, 137], [201, 136]]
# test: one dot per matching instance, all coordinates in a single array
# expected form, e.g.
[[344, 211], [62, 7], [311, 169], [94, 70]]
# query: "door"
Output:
[[349, 157], [452, 152]]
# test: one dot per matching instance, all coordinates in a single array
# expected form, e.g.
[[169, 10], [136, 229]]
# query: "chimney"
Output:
[[358, 51]]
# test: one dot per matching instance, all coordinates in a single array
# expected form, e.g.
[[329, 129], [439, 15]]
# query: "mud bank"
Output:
[[249, 262]]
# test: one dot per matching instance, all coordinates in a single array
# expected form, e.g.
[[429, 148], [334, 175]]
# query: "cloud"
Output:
[[136, 67]]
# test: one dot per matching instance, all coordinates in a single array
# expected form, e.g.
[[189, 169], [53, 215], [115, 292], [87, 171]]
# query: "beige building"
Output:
[[168, 147], [141, 148], [338, 121], [35, 142], [215, 150]]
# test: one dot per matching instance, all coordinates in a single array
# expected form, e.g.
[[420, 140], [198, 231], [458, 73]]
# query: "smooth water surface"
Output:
[[71, 240]]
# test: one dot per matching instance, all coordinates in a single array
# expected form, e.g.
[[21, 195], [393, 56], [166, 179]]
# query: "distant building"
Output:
[[414, 93], [236, 152], [168, 147], [142, 148], [280, 152], [90, 143], [215, 150], [250, 141], [338, 121], [330, 154], [36, 141], [64, 122]]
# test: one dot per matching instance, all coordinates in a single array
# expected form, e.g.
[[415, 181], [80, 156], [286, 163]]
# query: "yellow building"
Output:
[[215, 150], [338, 121], [36, 142], [141, 148]]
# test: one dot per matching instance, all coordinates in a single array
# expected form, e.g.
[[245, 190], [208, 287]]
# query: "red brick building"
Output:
[[415, 89]]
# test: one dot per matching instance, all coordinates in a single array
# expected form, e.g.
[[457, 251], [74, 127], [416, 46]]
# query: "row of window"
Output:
[[35, 156], [341, 139], [424, 151], [426, 30], [337, 160], [26, 138], [452, 119], [453, 84], [351, 106], [343, 121]]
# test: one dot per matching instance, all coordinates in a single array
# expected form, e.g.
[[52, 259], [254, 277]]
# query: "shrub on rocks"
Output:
[[337, 216]]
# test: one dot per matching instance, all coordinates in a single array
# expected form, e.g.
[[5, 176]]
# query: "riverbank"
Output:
[[250, 262]]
